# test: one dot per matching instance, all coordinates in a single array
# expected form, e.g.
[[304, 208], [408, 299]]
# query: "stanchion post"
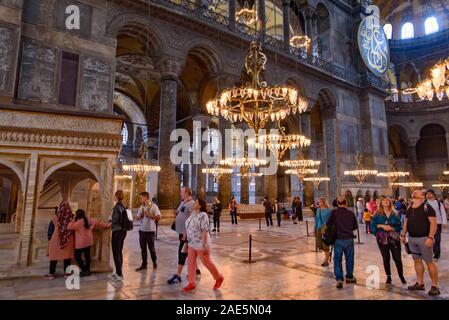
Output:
[[307, 227], [260, 224], [250, 246]]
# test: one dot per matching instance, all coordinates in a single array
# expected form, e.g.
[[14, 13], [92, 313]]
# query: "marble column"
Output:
[[286, 22], [224, 184], [271, 186], [262, 22], [231, 12], [331, 151], [168, 195], [412, 158], [244, 190], [200, 177]]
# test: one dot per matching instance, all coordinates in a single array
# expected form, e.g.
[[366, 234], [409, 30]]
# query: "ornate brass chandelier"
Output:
[[256, 103], [279, 143], [245, 162], [246, 16], [359, 172], [409, 185], [441, 186], [435, 86], [121, 177], [249, 174], [141, 167], [301, 172], [446, 173], [217, 172], [300, 41], [316, 180], [393, 173]]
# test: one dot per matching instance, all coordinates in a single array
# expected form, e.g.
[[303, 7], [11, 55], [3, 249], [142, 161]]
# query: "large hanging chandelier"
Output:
[[217, 172], [435, 86], [122, 177], [300, 163], [141, 167], [300, 41], [446, 173], [279, 143], [301, 173], [359, 172], [409, 185], [245, 162], [246, 16], [316, 180], [256, 103], [393, 173], [441, 186], [249, 174]]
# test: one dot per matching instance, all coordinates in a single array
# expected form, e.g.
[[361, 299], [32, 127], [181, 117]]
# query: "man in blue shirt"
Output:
[[344, 222]]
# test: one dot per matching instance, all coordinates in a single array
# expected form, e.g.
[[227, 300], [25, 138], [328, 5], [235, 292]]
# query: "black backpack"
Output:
[[127, 224], [330, 235]]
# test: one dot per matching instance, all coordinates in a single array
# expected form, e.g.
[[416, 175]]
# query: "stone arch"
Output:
[[327, 101], [133, 111], [141, 25], [432, 143], [436, 121], [397, 141], [63, 164], [16, 170], [205, 52]]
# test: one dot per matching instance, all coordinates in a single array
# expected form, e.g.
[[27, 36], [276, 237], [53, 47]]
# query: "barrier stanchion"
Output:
[[358, 235], [307, 227], [250, 246], [260, 224]]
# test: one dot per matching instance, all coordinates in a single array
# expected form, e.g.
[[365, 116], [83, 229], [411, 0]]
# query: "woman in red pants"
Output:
[[197, 227]]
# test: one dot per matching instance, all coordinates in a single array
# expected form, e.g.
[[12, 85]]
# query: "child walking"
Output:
[[367, 216]]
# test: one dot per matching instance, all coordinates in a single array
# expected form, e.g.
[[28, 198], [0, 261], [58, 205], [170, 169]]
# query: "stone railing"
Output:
[[417, 106], [196, 11]]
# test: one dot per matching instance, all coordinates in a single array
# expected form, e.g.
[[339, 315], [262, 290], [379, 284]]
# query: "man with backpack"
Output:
[[268, 211], [421, 226], [441, 216], [148, 214], [341, 225], [120, 225]]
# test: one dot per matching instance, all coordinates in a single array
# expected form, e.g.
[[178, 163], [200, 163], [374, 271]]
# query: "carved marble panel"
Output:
[[95, 90], [37, 76], [7, 51]]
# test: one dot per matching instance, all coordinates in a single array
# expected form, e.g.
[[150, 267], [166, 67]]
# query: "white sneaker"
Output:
[[115, 278]]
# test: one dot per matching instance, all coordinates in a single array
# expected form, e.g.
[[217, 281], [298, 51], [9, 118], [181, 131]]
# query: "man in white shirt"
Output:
[[148, 214], [441, 216]]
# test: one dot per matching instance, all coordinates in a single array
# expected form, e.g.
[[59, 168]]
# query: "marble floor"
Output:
[[284, 266]]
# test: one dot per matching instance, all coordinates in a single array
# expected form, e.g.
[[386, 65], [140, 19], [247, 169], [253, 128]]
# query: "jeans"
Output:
[[217, 220], [395, 249], [368, 226], [345, 246], [360, 215], [234, 218], [118, 239], [278, 218], [146, 239], [437, 242], [269, 219], [54, 263], [84, 264]]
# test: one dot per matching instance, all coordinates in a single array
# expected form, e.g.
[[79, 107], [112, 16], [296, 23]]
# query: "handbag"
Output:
[[173, 226], [330, 234]]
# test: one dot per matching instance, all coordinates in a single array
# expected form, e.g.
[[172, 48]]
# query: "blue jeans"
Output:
[[347, 247]]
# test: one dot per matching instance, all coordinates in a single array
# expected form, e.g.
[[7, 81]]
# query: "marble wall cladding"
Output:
[[37, 76], [95, 85], [7, 50], [32, 11]]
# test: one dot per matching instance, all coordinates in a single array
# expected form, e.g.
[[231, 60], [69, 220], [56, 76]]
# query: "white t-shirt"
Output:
[[195, 225], [440, 211], [148, 224]]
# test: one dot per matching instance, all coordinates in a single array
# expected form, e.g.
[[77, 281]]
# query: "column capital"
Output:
[[412, 141], [170, 67]]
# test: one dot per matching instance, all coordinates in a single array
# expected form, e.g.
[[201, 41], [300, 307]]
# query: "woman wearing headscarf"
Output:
[[61, 244]]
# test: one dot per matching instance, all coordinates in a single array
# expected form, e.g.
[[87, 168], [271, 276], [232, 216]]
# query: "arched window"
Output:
[[407, 31], [431, 25], [125, 135], [388, 29]]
